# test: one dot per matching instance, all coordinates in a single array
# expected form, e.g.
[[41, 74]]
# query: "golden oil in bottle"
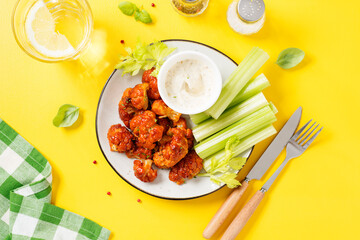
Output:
[[190, 8]]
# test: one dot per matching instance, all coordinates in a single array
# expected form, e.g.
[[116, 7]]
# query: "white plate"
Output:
[[107, 115]]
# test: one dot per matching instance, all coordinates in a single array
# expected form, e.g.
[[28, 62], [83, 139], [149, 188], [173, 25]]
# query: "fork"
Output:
[[294, 148]]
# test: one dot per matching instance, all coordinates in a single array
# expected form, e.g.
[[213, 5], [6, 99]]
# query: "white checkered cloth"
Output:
[[25, 194]]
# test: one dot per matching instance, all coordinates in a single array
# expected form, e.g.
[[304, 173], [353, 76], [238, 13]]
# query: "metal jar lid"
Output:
[[251, 10]]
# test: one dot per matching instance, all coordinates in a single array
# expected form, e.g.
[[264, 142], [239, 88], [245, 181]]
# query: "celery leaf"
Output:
[[144, 57], [228, 178], [222, 170], [237, 163]]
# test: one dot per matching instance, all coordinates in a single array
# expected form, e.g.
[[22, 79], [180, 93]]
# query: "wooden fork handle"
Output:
[[225, 210], [243, 216]]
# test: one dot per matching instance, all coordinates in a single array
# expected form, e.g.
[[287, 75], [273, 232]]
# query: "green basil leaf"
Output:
[[143, 16], [128, 8], [137, 15], [66, 116], [290, 57]]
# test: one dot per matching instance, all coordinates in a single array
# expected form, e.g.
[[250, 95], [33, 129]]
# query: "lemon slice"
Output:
[[40, 30]]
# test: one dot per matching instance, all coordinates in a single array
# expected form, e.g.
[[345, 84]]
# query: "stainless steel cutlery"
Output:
[[295, 144], [295, 147], [262, 165]]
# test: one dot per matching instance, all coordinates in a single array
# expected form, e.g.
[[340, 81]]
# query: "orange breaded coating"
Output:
[[139, 98], [120, 139], [188, 167], [189, 135], [180, 123], [153, 91], [165, 122], [190, 138], [161, 109], [126, 109], [144, 171], [140, 153], [132, 101], [145, 128], [172, 150]]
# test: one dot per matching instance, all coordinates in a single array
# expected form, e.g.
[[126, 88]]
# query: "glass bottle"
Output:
[[246, 16], [190, 8]]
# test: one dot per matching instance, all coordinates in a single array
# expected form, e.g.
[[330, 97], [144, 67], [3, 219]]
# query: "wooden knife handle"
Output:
[[243, 216], [225, 210]]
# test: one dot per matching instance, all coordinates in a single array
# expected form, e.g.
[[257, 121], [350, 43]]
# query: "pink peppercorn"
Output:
[[153, 5], [108, 193], [94, 162], [139, 200], [122, 41]]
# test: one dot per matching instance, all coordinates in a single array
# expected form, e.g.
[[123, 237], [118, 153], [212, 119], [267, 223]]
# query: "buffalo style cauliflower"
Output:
[[188, 168], [120, 139], [144, 171], [161, 109], [173, 149], [145, 128], [133, 100], [153, 91]]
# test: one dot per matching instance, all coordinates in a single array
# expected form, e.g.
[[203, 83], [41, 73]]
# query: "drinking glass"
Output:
[[72, 19]]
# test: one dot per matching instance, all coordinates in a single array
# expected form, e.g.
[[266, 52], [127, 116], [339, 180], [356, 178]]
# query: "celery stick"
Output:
[[238, 79], [244, 144], [240, 129], [253, 87], [198, 118], [273, 108], [230, 116]]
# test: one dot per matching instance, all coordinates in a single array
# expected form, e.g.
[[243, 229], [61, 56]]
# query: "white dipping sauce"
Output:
[[189, 84]]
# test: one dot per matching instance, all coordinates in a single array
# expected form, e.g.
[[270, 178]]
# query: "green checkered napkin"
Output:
[[25, 194]]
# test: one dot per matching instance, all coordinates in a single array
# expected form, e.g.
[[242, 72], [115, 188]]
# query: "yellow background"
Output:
[[318, 194]]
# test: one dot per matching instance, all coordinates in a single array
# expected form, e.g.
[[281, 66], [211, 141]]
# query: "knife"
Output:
[[259, 169]]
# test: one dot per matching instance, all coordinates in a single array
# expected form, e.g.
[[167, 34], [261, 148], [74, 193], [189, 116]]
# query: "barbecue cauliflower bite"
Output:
[[144, 171], [173, 149], [189, 135], [139, 98], [190, 138], [140, 153], [120, 139], [165, 122], [133, 100], [180, 123], [145, 128], [188, 167], [161, 109], [126, 110], [153, 91]]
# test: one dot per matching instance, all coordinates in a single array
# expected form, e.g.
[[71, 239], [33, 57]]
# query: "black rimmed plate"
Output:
[[107, 115]]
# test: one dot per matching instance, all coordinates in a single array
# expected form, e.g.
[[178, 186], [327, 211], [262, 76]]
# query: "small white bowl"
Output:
[[185, 55]]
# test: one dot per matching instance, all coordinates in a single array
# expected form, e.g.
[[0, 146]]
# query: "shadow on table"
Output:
[[98, 60]]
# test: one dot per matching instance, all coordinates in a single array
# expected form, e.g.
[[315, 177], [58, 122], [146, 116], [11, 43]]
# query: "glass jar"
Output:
[[190, 8], [246, 16]]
